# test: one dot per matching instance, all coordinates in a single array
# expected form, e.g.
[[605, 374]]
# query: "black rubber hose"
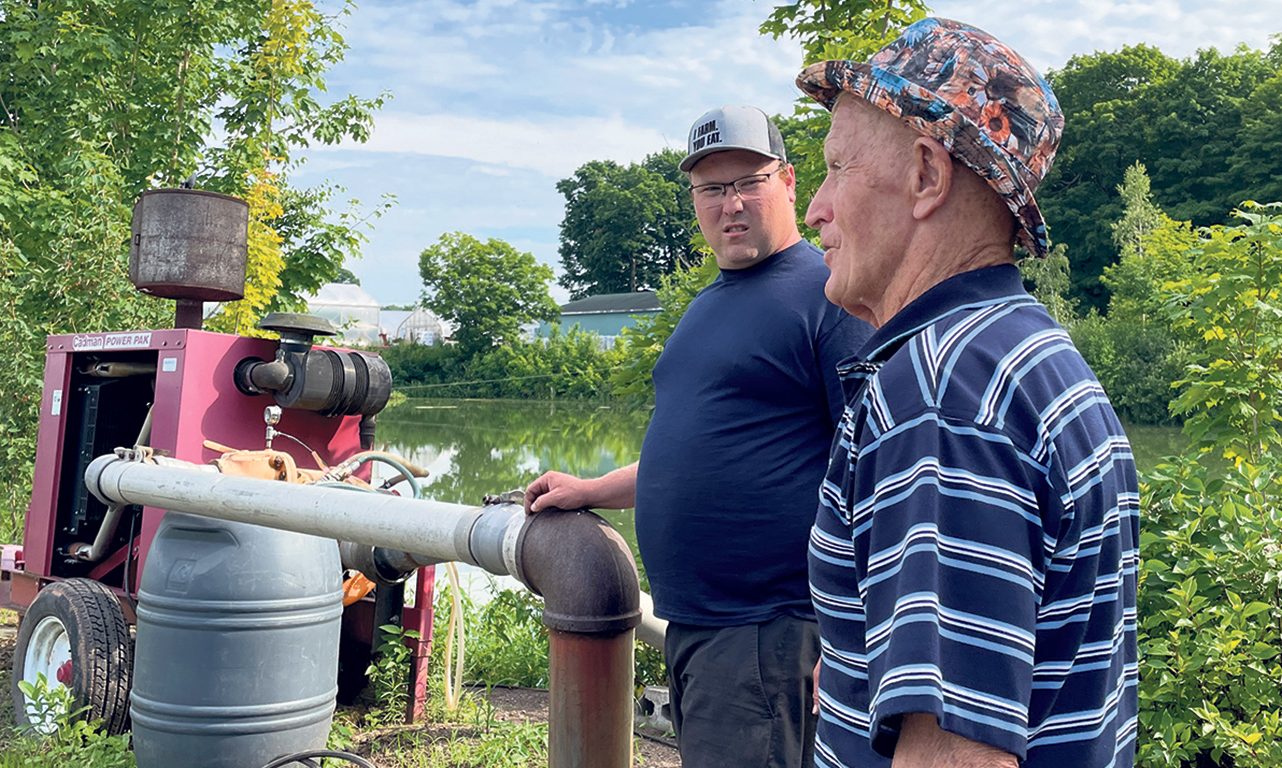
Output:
[[307, 757]]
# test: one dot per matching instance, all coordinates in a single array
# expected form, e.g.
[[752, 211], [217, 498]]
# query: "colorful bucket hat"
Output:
[[972, 93]]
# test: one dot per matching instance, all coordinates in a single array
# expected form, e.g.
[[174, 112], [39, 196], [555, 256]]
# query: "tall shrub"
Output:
[[1231, 304], [1210, 608], [1210, 616]]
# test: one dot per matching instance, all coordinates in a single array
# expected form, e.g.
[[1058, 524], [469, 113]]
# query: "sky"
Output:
[[494, 101]]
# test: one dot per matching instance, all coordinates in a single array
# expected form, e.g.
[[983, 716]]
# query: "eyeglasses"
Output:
[[747, 187]]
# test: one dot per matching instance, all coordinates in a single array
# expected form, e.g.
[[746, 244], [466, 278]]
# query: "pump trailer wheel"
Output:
[[75, 635]]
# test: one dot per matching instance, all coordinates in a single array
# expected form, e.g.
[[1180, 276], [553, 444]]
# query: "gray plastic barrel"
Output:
[[236, 661], [189, 244]]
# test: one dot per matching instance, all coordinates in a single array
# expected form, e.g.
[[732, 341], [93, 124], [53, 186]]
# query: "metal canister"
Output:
[[189, 244], [236, 661]]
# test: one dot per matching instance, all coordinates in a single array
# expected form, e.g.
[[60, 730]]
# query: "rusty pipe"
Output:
[[591, 603], [590, 679], [390, 566]]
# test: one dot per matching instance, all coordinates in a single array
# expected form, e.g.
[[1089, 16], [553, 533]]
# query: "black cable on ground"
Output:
[[306, 758]]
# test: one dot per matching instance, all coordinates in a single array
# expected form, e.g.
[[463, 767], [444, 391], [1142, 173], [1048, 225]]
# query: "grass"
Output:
[[73, 741], [471, 737], [507, 643]]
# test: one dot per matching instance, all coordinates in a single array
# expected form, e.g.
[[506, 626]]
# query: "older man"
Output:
[[746, 401], [973, 559]]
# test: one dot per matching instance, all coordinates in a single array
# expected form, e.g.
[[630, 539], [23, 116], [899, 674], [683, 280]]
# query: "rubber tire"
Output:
[[102, 652]]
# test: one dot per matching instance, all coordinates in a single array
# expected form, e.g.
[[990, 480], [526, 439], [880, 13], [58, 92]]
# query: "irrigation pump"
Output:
[[203, 487]]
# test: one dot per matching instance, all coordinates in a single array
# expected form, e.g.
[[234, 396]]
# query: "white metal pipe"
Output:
[[587, 666], [652, 629], [483, 536], [432, 528]]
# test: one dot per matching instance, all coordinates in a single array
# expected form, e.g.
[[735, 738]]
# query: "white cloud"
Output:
[[539, 61], [553, 146], [1048, 32]]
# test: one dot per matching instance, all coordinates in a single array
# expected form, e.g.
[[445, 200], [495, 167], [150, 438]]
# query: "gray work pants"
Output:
[[741, 696]]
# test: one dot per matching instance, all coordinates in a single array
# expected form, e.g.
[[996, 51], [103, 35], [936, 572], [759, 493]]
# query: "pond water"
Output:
[[475, 447]]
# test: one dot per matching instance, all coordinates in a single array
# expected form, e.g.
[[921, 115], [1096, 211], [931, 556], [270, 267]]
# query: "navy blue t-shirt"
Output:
[[746, 402]]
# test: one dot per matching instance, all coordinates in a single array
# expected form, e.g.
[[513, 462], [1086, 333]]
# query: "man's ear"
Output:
[[789, 174], [930, 177]]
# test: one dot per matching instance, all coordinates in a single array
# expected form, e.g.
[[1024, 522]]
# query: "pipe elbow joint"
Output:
[[256, 377], [583, 569]]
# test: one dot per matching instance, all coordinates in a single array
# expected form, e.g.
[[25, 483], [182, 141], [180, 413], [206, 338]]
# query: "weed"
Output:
[[388, 676], [507, 643], [650, 667], [342, 733], [69, 740], [501, 745]]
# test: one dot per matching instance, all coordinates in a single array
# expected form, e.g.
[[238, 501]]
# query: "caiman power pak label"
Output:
[[94, 342]]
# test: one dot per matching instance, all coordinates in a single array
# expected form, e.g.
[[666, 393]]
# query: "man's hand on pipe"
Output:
[[614, 490], [557, 489]]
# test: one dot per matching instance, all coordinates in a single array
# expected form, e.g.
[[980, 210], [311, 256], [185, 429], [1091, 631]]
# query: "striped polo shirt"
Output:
[[975, 549]]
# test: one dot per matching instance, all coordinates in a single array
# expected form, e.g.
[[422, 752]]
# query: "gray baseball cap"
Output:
[[733, 127]]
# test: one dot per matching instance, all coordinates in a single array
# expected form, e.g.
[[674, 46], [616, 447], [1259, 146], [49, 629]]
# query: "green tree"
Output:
[[346, 277], [103, 99], [676, 234], [633, 378], [1048, 280], [1135, 350], [295, 243], [318, 241], [624, 226], [830, 29], [486, 289], [1195, 123], [1257, 164], [1101, 139], [1140, 215], [803, 136], [842, 29], [1152, 249]]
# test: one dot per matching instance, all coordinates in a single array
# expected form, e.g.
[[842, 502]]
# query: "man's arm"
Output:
[[923, 744], [613, 490]]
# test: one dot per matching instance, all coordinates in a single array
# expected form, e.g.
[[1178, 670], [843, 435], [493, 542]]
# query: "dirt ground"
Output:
[[518, 705], [8, 636]]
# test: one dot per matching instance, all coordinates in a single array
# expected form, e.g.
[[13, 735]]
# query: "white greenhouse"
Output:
[[353, 311], [420, 326]]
